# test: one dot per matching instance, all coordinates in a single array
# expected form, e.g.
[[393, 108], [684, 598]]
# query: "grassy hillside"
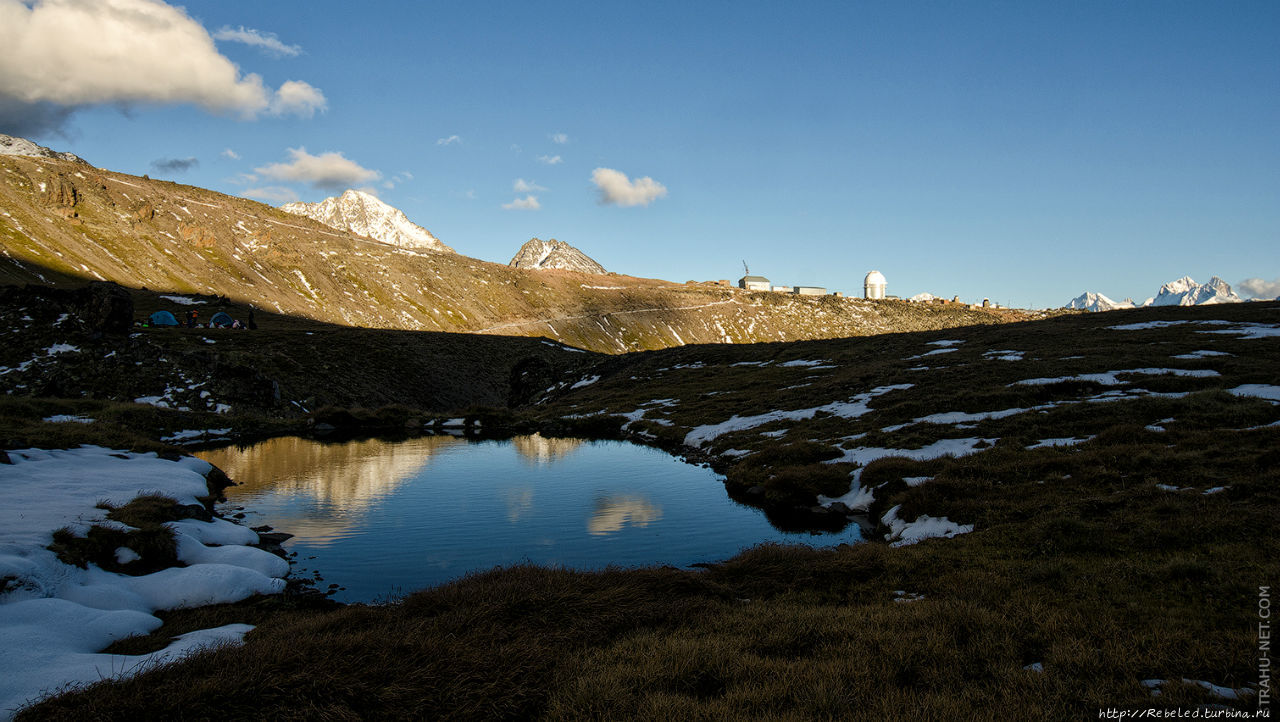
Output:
[[64, 222], [1119, 472]]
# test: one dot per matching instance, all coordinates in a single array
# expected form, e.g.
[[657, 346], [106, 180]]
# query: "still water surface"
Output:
[[382, 518]]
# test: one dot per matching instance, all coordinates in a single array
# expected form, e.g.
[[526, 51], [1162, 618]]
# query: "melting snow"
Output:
[[902, 533], [1261, 391], [853, 408], [946, 342], [1200, 354], [585, 382], [184, 300], [56, 617], [1066, 441], [800, 362], [1108, 378], [64, 419]]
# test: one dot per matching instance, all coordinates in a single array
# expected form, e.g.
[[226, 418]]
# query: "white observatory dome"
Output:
[[875, 285]]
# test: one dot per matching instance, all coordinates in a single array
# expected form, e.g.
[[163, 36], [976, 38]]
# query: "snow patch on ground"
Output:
[[55, 617], [183, 300], [1003, 355], [585, 382], [65, 419], [1260, 391], [902, 532], [853, 408], [1200, 354], [801, 362], [1067, 441], [1109, 378]]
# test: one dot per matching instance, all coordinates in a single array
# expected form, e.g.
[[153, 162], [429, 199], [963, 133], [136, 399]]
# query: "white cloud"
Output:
[[523, 186], [451, 140], [297, 98], [559, 138], [228, 153], [528, 203], [272, 194], [332, 170], [617, 189], [66, 54], [1258, 288], [551, 159], [267, 42]]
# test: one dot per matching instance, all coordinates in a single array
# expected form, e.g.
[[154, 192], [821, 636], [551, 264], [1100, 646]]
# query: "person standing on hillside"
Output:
[[251, 324]]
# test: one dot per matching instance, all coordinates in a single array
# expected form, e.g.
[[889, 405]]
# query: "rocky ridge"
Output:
[[540, 255], [11, 145]]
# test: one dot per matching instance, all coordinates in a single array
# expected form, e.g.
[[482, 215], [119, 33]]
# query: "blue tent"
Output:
[[221, 318], [163, 318]]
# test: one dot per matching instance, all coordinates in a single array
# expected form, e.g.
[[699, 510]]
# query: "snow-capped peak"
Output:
[[13, 145], [1182, 292], [366, 215], [1097, 302], [1186, 292], [540, 255]]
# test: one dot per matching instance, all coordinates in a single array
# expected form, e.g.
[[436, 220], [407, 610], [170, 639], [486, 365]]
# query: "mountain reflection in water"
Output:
[[613, 513], [380, 518]]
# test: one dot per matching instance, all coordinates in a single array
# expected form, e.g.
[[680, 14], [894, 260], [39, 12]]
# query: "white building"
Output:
[[874, 285], [810, 291], [754, 283]]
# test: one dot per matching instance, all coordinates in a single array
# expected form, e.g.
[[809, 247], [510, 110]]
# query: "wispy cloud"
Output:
[[1258, 288], [523, 186], [228, 153], [272, 194], [528, 203], [451, 140], [559, 138], [397, 179], [330, 171], [551, 159], [62, 56], [617, 189], [174, 165], [266, 42]]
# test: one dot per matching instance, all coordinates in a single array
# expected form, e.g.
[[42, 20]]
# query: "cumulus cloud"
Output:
[[296, 97], [617, 189], [329, 171], [228, 153], [272, 194], [266, 42], [451, 140], [61, 55], [1258, 288], [523, 186], [175, 165], [559, 138], [528, 203], [551, 159]]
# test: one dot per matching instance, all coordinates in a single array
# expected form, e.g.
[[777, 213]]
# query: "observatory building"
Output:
[[874, 286]]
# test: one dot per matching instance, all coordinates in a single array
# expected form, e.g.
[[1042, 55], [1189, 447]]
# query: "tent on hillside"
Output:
[[163, 318], [221, 318]]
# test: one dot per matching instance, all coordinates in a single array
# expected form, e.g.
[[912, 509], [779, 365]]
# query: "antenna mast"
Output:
[[746, 271]]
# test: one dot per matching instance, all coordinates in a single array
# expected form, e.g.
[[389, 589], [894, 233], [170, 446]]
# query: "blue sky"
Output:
[[1021, 151]]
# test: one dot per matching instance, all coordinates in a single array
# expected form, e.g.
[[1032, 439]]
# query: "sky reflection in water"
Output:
[[389, 517]]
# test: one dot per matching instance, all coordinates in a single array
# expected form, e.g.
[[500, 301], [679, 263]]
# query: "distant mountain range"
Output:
[[1182, 292], [541, 255], [64, 222], [365, 215]]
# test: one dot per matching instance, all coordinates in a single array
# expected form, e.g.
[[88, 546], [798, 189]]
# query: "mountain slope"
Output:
[[63, 222], [538, 254], [365, 215]]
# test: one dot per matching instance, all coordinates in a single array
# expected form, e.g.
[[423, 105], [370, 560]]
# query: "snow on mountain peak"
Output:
[[1097, 302], [538, 254], [13, 145], [367, 215], [1186, 292], [1182, 292]]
